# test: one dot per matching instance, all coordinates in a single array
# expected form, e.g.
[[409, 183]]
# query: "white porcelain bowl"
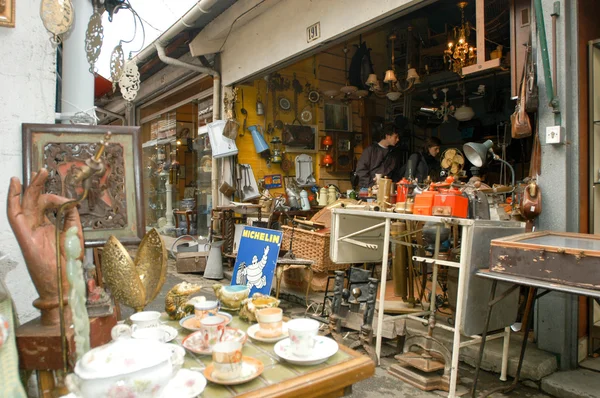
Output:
[[126, 368]]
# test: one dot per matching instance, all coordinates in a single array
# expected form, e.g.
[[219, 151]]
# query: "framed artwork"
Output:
[[298, 138], [7, 13], [114, 202], [182, 172], [256, 259], [337, 116]]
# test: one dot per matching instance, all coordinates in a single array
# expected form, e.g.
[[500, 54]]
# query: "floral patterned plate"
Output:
[[196, 344], [254, 333], [251, 369], [324, 349], [186, 384]]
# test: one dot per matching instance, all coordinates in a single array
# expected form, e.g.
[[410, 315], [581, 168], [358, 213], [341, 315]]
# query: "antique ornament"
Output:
[[177, 300], [93, 39], [130, 81], [57, 16], [77, 292], [117, 62], [135, 283]]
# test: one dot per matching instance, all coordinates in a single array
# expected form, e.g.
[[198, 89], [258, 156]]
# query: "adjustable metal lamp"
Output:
[[477, 155]]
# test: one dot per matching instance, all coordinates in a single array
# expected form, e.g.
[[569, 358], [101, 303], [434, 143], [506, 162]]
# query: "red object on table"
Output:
[[424, 203], [450, 202]]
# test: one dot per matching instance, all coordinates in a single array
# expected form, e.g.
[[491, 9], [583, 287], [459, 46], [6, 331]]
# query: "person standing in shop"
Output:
[[378, 158], [425, 164]]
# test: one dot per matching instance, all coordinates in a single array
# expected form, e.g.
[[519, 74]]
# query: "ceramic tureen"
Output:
[[125, 368]]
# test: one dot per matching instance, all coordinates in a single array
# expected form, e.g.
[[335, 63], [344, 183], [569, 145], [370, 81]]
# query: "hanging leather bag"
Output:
[[520, 124], [531, 88], [531, 202]]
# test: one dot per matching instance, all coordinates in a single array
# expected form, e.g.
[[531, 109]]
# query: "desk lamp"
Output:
[[477, 155]]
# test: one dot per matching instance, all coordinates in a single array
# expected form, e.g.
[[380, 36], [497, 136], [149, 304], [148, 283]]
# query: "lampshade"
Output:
[[393, 95], [412, 75], [327, 160], [390, 76], [330, 93], [327, 140], [347, 89], [361, 93], [372, 80], [477, 153], [464, 113]]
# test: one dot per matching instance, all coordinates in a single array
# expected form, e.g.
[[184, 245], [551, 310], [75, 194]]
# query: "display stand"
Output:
[[364, 236]]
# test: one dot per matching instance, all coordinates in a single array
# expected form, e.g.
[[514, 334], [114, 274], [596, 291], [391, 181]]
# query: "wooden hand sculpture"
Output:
[[36, 236]]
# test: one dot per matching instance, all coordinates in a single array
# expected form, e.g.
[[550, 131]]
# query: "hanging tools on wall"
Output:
[[244, 112], [260, 107]]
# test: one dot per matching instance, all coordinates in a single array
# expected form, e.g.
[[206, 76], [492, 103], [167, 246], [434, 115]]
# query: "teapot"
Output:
[[322, 196], [231, 297], [304, 203], [131, 367], [331, 194]]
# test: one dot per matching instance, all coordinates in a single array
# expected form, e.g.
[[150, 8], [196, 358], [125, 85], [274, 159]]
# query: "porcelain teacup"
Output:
[[149, 333], [227, 360], [206, 308], [270, 321], [303, 336], [145, 319], [212, 329]]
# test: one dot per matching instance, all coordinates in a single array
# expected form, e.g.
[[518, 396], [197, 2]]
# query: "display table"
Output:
[[333, 378], [364, 236]]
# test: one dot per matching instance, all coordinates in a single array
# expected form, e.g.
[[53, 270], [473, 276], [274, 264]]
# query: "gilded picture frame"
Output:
[[7, 13], [114, 203], [337, 116]]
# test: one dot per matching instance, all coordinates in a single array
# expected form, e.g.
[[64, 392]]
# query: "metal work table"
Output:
[[533, 285], [351, 244]]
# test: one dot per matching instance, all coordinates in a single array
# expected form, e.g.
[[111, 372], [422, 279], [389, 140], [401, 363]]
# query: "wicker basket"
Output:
[[297, 280], [311, 246]]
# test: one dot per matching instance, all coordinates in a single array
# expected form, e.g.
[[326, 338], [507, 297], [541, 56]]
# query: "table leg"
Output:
[[278, 274], [465, 253], [384, 266], [45, 383], [505, 347], [310, 278], [483, 337]]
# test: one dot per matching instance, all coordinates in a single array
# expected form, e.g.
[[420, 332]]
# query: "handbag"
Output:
[[520, 124], [531, 89]]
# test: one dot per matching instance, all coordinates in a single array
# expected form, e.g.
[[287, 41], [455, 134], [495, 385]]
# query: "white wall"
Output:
[[27, 95], [278, 35]]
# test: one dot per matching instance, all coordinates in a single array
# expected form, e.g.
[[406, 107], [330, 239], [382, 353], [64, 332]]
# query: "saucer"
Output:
[[186, 384], [171, 332], [195, 344], [251, 369], [324, 349], [256, 327], [190, 323]]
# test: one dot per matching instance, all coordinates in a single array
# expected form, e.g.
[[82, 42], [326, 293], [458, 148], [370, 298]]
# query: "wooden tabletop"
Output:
[[281, 379]]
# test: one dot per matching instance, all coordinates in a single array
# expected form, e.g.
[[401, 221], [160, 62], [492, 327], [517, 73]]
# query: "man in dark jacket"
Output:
[[377, 159]]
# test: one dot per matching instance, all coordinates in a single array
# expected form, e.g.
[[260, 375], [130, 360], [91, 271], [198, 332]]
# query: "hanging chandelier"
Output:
[[395, 88], [459, 53], [347, 92]]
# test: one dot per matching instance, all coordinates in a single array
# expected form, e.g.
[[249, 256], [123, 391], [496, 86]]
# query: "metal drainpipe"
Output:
[[160, 50]]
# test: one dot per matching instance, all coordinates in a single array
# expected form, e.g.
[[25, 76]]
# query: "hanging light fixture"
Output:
[[459, 53], [395, 89], [347, 92], [464, 112]]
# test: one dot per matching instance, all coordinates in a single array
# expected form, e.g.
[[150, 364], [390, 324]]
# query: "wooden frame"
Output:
[[114, 205], [7, 13], [337, 116]]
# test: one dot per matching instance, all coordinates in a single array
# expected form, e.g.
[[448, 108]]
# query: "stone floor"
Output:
[[382, 384]]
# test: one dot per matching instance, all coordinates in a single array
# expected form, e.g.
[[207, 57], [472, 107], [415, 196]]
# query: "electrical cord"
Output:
[[235, 20]]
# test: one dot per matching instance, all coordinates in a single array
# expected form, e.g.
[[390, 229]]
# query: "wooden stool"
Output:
[[284, 264]]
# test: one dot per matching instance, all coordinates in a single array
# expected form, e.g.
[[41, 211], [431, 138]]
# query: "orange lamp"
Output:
[[327, 160], [327, 142]]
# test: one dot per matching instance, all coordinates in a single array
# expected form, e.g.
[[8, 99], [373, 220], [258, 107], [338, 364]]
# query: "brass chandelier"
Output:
[[459, 53]]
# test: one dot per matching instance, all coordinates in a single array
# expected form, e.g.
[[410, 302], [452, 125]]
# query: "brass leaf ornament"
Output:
[[135, 283]]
